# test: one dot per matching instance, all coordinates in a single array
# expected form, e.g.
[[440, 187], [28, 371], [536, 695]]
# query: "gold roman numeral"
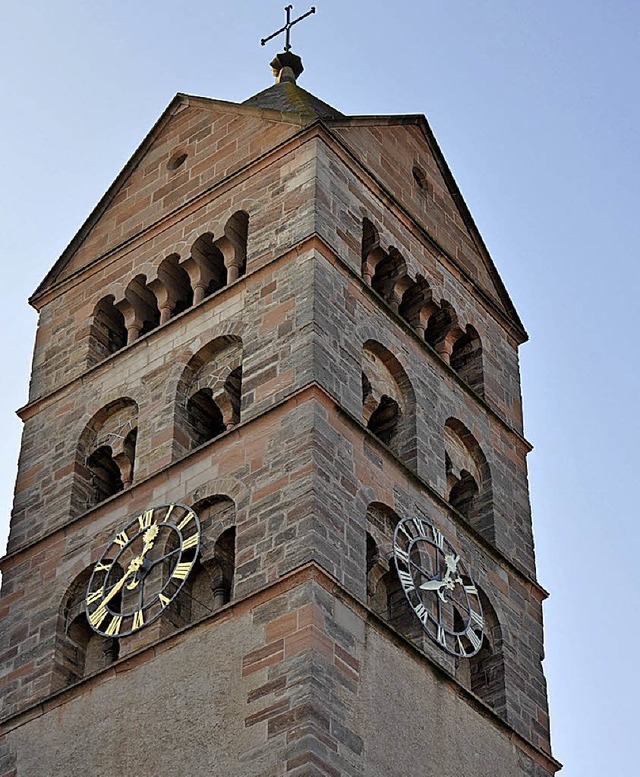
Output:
[[138, 620], [163, 600], [145, 520], [191, 542], [122, 539], [95, 596], [101, 567], [96, 618], [182, 570], [113, 629], [185, 521]]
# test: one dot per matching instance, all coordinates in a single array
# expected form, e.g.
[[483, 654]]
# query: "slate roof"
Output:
[[290, 98]]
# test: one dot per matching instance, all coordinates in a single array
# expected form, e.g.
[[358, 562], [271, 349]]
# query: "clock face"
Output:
[[142, 569], [438, 586]]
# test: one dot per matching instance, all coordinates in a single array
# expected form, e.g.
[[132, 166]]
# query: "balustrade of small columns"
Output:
[[211, 265], [436, 323]]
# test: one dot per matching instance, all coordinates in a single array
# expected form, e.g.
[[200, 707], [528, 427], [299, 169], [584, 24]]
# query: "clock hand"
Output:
[[433, 585], [134, 566], [148, 538], [446, 582]]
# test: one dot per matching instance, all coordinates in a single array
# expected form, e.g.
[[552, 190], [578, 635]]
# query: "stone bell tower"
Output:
[[282, 319]]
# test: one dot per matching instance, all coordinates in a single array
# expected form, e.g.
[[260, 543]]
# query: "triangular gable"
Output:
[[208, 130], [389, 147]]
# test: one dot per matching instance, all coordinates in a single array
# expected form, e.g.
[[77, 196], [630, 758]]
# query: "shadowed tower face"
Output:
[[272, 514]]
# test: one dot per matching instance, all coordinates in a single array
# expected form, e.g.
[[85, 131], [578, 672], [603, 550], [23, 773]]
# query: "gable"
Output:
[[217, 138], [403, 156]]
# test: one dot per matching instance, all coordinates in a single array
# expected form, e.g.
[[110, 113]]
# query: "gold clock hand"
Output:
[[134, 566], [148, 538]]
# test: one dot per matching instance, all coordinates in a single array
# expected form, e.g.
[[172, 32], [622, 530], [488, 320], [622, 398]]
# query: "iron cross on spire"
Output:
[[288, 26]]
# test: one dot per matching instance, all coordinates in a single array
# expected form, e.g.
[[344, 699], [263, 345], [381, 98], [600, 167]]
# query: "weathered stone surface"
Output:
[[300, 673]]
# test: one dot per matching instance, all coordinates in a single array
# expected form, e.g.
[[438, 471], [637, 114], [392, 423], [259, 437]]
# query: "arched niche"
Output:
[[388, 401], [107, 332], [469, 486], [105, 455], [466, 359], [209, 394]]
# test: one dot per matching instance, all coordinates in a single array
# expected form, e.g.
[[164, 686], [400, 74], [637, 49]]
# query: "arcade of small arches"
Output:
[[483, 673], [207, 404], [436, 322], [213, 263]]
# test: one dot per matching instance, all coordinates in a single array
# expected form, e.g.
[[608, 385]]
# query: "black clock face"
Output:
[[438, 587], [142, 570]]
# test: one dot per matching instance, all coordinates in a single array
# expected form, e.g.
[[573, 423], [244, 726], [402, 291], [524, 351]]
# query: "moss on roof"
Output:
[[290, 98]]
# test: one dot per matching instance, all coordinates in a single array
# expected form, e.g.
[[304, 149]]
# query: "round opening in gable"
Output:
[[177, 160]]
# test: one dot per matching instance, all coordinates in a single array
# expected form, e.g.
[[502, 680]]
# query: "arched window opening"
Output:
[[400, 614], [384, 420], [466, 359], [108, 331], [140, 309], [205, 417], [212, 584], [370, 239], [385, 596], [172, 288], [105, 456], [388, 401], [105, 474], [416, 305], [209, 394], [388, 272], [439, 325], [206, 268], [234, 245], [233, 397], [420, 178], [372, 253], [469, 487], [464, 494]]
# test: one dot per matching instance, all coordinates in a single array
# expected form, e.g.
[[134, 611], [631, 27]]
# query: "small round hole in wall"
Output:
[[177, 160]]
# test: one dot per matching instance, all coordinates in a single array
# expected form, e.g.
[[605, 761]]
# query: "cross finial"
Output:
[[287, 27]]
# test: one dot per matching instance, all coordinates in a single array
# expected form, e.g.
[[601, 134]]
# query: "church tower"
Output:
[[271, 515]]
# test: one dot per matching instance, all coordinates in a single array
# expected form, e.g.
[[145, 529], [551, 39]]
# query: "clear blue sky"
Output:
[[536, 106]]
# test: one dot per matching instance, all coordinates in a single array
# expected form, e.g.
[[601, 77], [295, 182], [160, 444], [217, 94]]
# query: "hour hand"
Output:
[[433, 585], [437, 585]]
